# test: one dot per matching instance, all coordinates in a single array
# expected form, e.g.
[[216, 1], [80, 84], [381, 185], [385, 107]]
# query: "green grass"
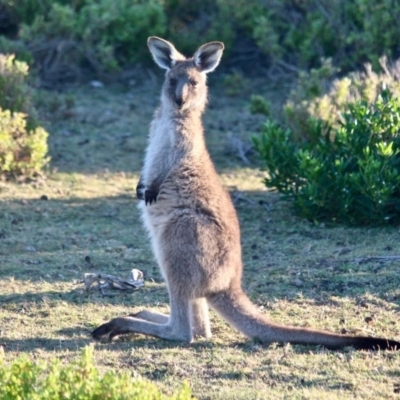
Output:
[[298, 273]]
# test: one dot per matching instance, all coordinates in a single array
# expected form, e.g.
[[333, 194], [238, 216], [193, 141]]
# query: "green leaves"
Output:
[[22, 150], [352, 178], [23, 143], [79, 380]]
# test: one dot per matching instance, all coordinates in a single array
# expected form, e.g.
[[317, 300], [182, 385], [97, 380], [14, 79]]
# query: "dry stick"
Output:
[[105, 281]]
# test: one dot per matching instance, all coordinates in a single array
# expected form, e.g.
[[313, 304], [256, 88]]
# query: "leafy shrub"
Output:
[[259, 105], [23, 143], [22, 150], [16, 47], [15, 94], [298, 32], [103, 33], [319, 95], [351, 176], [304, 32], [25, 379], [235, 84]]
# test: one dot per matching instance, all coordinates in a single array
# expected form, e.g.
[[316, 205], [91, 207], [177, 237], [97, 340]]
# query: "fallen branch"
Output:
[[101, 282]]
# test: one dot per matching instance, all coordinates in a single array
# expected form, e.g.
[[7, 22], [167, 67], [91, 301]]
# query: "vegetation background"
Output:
[[77, 92]]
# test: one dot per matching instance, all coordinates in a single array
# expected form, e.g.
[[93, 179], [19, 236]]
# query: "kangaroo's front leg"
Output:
[[140, 188], [148, 193]]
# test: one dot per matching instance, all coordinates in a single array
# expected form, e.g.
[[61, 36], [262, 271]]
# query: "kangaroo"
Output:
[[193, 225]]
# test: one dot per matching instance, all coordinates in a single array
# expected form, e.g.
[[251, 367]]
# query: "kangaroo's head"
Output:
[[185, 84]]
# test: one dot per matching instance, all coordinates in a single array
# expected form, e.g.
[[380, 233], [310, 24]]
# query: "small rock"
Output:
[[30, 248], [43, 197], [96, 84]]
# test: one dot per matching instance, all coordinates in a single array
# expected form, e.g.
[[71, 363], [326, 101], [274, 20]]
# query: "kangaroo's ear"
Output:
[[207, 57], [163, 52]]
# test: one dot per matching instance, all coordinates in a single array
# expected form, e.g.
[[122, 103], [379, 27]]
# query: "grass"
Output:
[[83, 218]]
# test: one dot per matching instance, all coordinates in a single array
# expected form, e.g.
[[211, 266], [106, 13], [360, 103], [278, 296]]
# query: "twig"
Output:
[[237, 196]]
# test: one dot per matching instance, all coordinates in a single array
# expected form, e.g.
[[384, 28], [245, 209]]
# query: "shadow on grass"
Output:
[[75, 337]]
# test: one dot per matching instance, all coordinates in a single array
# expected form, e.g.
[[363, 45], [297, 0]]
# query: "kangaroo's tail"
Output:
[[235, 307]]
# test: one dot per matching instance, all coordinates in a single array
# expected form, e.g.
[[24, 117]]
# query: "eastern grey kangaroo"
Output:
[[193, 225]]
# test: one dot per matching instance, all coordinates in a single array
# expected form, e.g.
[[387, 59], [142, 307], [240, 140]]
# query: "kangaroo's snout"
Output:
[[181, 94]]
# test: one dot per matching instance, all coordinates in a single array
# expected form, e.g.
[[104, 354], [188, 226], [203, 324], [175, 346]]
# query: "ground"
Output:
[[83, 218]]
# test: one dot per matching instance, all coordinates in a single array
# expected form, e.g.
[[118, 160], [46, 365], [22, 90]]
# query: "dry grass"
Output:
[[83, 219]]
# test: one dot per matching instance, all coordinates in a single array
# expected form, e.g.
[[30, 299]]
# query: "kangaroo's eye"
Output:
[[173, 81], [193, 83]]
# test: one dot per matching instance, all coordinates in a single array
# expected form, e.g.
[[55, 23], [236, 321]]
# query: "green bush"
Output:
[[15, 94], [22, 150], [320, 95], [300, 33], [259, 105], [23, 143], [26, 379], [350, 175], [104, 33]]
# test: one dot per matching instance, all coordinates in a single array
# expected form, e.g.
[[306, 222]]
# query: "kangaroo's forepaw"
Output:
[[140, 191], [150, 196], [109, 330]]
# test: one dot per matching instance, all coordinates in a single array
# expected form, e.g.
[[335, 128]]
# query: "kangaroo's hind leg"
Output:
[[151, 316], [200, 318], [198, 314], [178, 326]]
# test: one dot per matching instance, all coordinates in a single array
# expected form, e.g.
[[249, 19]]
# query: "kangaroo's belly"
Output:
[[193, 246]]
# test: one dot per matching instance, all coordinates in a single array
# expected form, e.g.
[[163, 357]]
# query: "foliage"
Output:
[[187, 21], [23, 143], [259, 105], [25, 379], [352, 178], [22, 150], [16, 47], [15, 94], [235, 84], [106, 33], [300, 33], [318, 95]]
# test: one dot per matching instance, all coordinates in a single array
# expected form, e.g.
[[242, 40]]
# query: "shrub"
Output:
[[259, 105], [319, 95], [23, 143], [351, 175], [15, 94], [16, 47], [104, 33], [22, 150], [25, 379], [187, 21], [298, 32]]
